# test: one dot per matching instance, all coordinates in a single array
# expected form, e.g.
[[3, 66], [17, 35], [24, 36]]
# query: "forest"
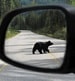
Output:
[[8, 5], [50, 22]]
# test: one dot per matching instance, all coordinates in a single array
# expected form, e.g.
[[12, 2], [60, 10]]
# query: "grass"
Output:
[[73, 2], [60, 34], [11, 33]]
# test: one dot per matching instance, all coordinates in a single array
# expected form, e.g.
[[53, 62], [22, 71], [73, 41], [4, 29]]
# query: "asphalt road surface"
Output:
[[20, 48]]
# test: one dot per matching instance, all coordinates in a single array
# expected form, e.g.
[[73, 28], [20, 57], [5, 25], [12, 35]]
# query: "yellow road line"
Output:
[[1, 68], [54, 57]]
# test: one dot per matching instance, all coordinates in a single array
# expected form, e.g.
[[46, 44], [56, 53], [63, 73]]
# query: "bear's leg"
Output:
[[48, 50], [33, 51], [44, 50], [40, 51]]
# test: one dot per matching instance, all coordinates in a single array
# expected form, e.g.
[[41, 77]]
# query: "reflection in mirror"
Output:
[[37, 38]]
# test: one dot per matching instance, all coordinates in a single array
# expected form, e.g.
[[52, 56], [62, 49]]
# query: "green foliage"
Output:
[[60, 34], [32, 21], [47, 22], [51, 23], [73, 2], [11, 33], [8, 5], [28, 2]]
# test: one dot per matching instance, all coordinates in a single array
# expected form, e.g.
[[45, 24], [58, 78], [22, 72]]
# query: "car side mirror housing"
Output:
[[68, 65]]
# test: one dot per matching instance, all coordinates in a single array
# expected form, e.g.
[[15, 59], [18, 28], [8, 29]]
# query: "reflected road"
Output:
[[19, 48]]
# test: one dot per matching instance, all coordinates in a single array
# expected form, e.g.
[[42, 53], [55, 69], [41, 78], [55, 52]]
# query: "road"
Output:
[[21, 50]]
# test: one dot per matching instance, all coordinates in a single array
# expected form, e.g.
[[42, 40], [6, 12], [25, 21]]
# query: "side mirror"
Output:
[[55, 23]]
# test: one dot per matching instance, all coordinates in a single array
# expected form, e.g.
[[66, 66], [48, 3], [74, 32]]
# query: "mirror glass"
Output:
[[37, 38]]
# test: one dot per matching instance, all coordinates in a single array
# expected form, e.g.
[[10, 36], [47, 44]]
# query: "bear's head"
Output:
[[49, 43]]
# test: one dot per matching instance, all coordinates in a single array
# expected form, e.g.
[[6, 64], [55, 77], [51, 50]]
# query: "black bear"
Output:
[[42, 46]]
